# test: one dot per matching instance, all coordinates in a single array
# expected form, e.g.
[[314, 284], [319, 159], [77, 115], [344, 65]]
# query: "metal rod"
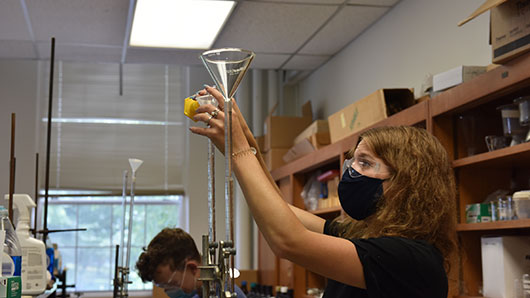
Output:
[[116, 269], [12, 167], [48, 141], [121, 79], [36, 195], [205, 262]]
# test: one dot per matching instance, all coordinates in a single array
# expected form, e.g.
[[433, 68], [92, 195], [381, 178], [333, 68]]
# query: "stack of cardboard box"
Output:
[[279, 133], [314, 137]]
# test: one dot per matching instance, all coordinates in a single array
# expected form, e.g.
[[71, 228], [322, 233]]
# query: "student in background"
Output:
[[171, 261]]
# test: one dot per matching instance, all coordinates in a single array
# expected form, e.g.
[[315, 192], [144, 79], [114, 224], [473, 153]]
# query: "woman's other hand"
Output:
[[214, 118]]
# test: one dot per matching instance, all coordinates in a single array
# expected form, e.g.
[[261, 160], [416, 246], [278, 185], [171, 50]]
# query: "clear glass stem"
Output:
[[211, 191], [123, 205]]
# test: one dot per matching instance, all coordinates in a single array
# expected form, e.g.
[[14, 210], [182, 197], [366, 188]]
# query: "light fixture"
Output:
[[186, 24]]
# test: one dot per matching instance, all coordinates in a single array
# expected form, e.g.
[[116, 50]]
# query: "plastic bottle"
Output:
[[11, 246], [33, 272], [244, 287]]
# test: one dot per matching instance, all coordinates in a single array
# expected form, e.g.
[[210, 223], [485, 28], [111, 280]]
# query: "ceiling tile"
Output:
[[69, 52], [305, 62], [374, 2], [343, 28], [163, 56], [335, 2], [13, 25], [17, 49], [272, 27], [101, 22], [268, 61]]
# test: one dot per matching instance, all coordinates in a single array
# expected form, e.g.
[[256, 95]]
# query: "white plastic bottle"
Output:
[[33, 271], [12, 254]]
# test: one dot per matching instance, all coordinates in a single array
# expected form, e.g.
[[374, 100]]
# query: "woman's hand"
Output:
[[214, 118]]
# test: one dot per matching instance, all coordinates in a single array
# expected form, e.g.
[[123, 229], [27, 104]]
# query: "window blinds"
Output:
[[95, 130]]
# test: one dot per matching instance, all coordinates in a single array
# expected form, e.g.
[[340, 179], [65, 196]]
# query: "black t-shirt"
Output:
[[395, 267]]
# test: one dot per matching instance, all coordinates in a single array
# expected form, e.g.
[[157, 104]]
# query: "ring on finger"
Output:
[[215, 113], [209, 118]]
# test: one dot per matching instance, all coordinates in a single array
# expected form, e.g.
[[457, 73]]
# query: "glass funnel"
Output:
[[227, 67]]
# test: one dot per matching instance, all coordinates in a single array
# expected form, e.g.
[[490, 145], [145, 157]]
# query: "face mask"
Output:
[[178, 292], [359, 194]]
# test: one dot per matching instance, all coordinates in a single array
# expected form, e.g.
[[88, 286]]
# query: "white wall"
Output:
[[415, 38], [18, 93]]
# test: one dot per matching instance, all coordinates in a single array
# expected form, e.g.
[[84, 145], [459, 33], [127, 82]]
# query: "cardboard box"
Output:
[[456, 76], [10, 287], [509, 27], [476, 213], [306, 146], [298, 150], [280, 131], [504, 259], [274, 158], [368, 111], [318, 126]]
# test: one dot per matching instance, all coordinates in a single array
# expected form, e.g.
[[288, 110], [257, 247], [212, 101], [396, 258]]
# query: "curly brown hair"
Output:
[[171, 246], [419, 200]]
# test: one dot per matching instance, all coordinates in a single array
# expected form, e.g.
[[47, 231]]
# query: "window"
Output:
[[89, 256]]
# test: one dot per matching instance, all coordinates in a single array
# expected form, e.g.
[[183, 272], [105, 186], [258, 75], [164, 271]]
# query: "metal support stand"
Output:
[[120, 278], [214, 275]]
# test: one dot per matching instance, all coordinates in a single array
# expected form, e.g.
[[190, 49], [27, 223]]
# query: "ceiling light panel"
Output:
[[186, 24]]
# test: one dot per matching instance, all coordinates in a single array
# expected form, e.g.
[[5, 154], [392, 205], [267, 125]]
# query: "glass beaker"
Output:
[[510, 123], [494, 209], [524, 113], [501, 207]]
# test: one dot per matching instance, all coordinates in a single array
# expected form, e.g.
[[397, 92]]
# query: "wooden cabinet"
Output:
[[460, 118]]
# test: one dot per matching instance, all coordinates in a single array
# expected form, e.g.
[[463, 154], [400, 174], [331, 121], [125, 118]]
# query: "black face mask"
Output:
[[359, 194]]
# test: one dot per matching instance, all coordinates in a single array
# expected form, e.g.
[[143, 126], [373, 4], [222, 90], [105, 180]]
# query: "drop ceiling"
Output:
[[291, 34]]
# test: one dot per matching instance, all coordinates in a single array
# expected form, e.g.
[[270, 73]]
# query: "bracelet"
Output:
[[244, 151]]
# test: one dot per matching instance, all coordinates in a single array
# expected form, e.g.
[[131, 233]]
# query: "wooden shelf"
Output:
[[309, 162], [493, 226], [509, 157], [411, 116], [336, 209]]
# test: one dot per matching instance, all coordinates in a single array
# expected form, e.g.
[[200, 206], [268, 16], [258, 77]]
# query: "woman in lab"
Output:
[[397, 188]]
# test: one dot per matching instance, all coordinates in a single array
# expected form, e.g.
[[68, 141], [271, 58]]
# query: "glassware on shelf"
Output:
[[511, 125], [523, 103], [495, 142], [521, 201]]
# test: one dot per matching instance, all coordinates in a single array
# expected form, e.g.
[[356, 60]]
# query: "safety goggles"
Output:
[[363, 165], [166, 285]]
